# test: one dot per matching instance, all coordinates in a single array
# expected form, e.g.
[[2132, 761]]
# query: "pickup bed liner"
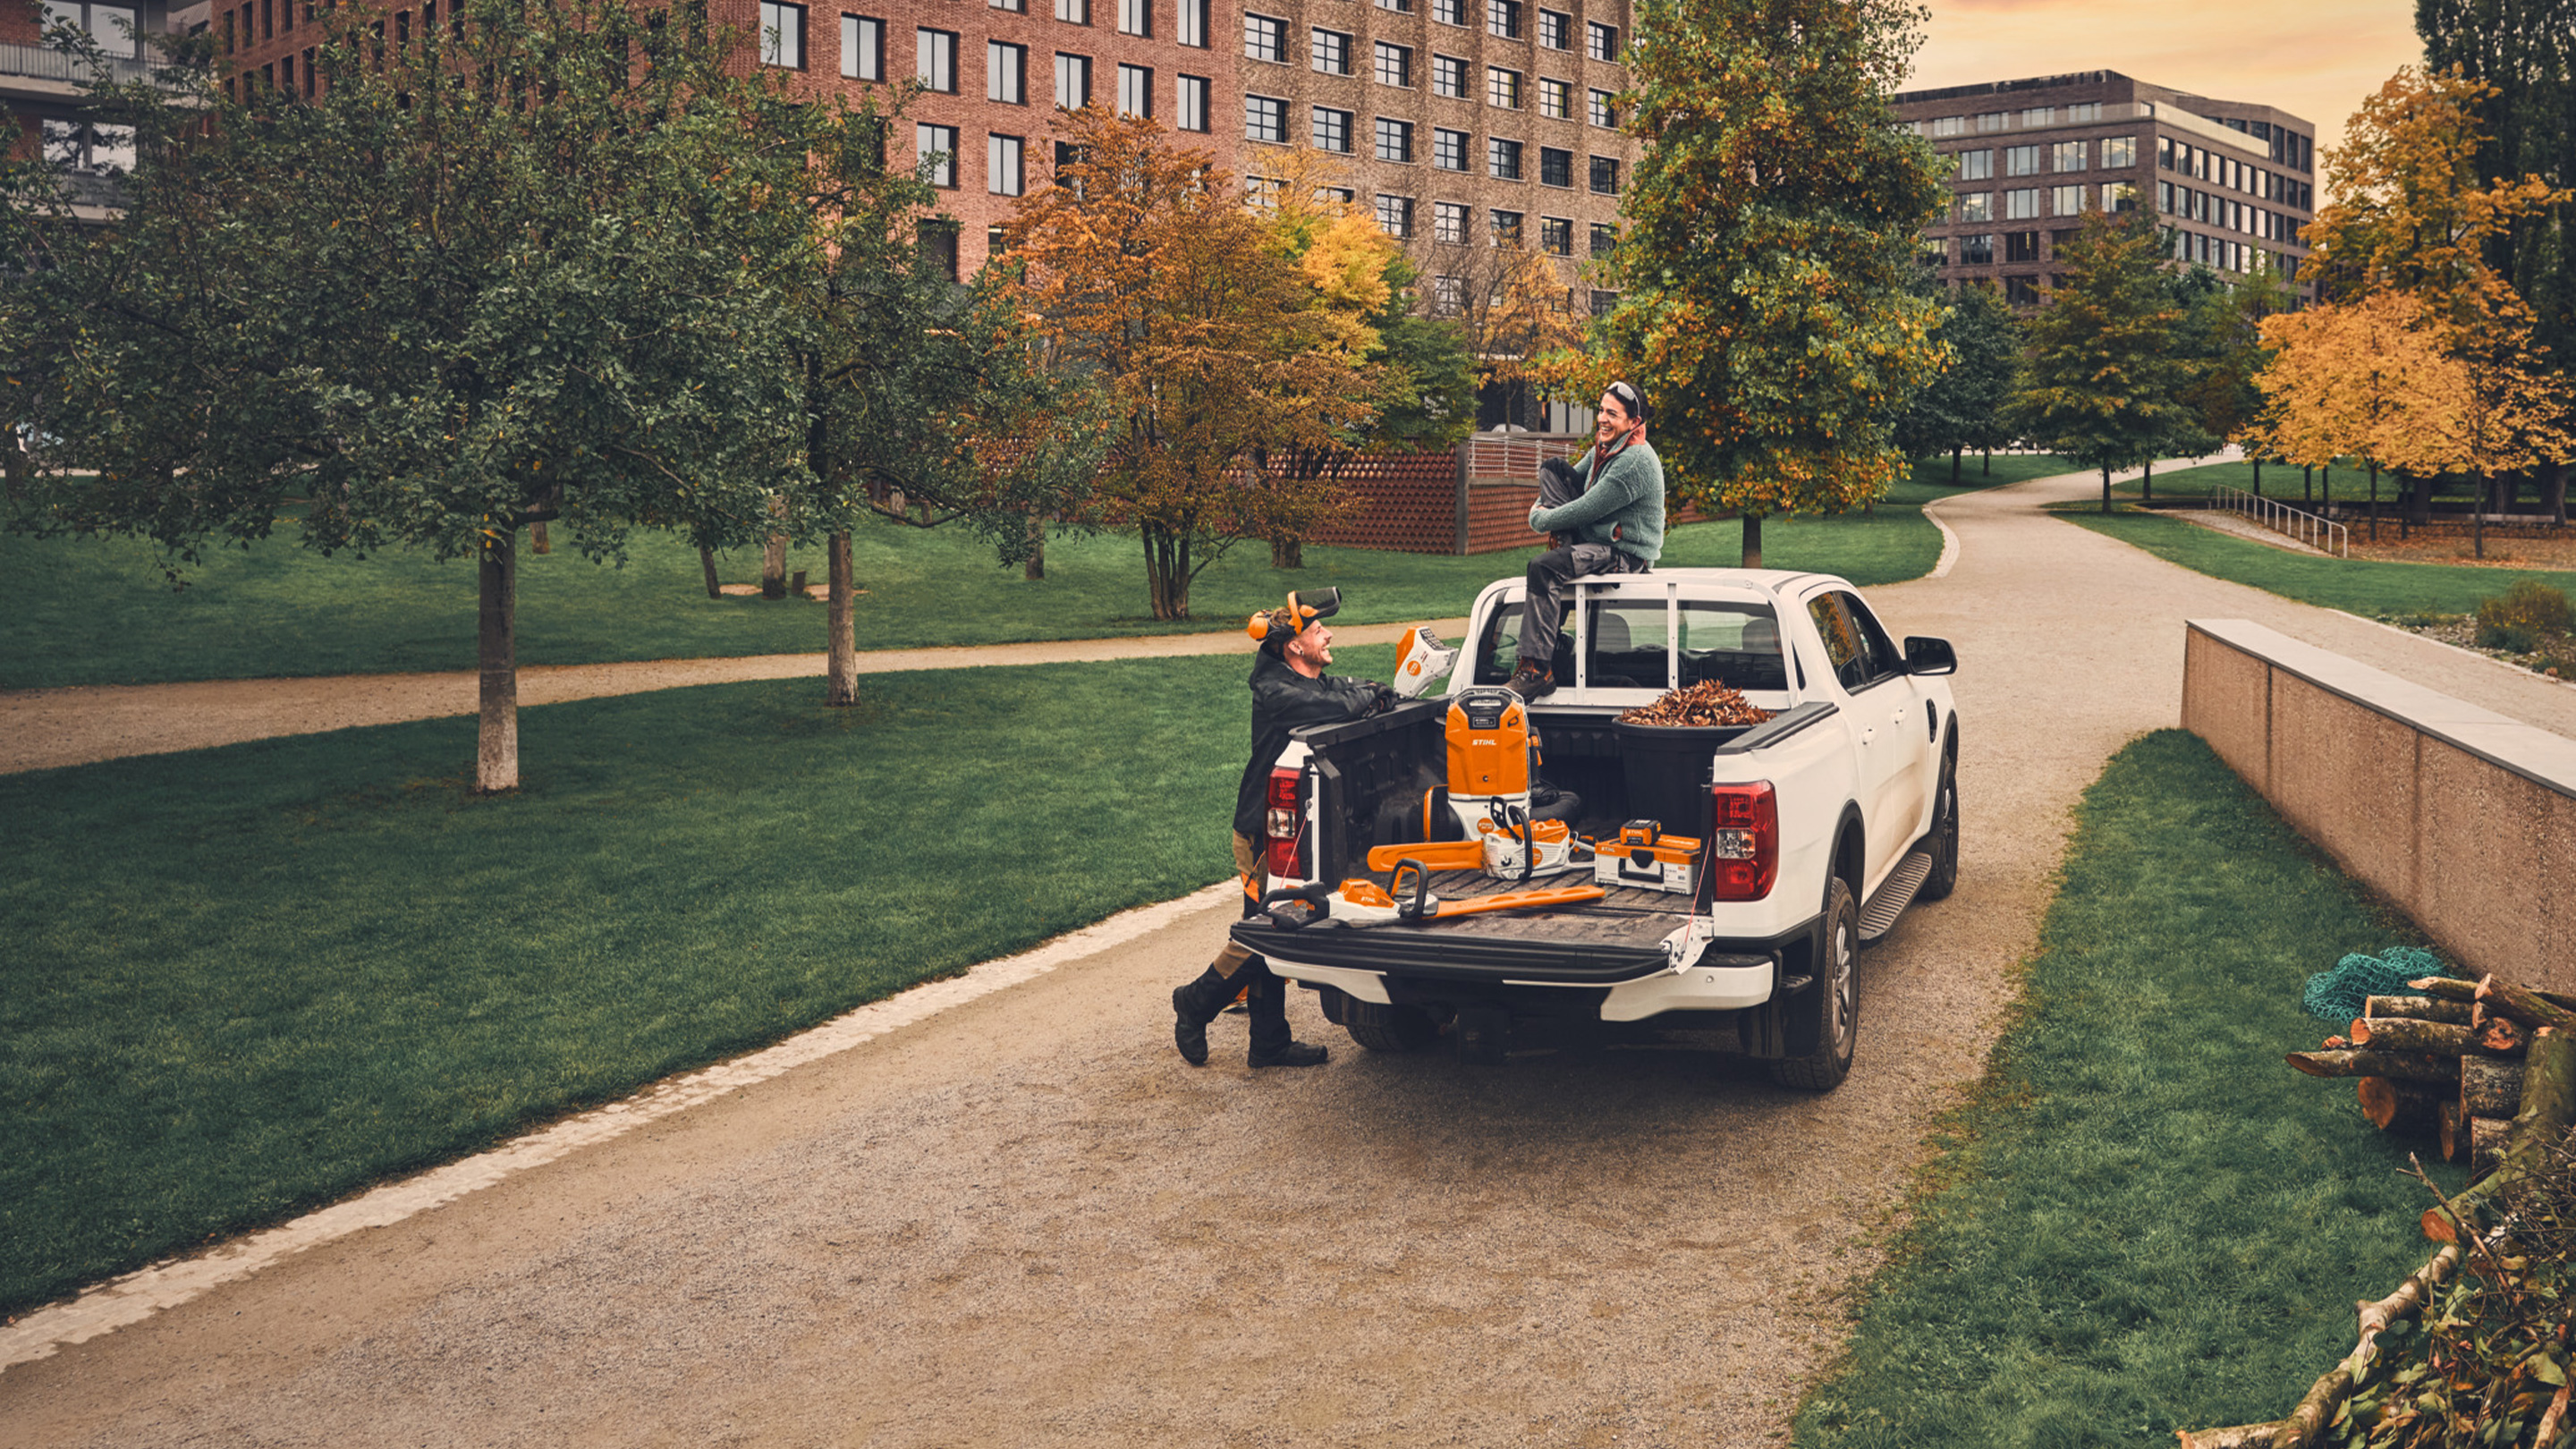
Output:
[[1625, 917]]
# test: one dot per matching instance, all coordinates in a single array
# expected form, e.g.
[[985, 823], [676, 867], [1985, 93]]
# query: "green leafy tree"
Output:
[[1963, 407], [517, 271], [2103, 386], [1768, 262]]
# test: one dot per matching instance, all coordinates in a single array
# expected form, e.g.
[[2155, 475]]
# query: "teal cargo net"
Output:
[[2339, 995]]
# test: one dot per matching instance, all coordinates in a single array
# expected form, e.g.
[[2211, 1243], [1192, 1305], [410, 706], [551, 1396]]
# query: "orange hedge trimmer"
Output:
[[1360, 902]]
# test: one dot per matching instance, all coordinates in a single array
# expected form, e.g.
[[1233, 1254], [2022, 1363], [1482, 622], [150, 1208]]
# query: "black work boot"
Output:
[[1193, 1007], [1272, 1046]]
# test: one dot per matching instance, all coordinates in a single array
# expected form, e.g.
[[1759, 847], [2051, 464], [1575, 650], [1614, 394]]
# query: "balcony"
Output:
[[40, 72]]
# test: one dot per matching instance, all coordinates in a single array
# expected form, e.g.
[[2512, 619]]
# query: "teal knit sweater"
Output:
[[1623, 508]]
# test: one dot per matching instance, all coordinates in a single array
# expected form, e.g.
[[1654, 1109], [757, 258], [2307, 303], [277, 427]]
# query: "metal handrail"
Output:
[[2317, 533], [44, 62]]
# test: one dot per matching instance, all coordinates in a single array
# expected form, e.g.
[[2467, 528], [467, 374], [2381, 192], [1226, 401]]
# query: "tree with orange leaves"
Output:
[[1149, 275], [2341, 382]]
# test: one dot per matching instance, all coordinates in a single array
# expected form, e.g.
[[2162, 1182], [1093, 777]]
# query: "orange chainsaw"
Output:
[[1359, 902]]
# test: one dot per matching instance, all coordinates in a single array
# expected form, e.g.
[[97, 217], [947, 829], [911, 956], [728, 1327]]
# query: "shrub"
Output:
[[2530, 608], [2511, 638]]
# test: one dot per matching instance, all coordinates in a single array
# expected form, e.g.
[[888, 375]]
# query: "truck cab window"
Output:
[[1737, 645], [1625, 640], [1878, 651], [1499, 651], [1844, 650]]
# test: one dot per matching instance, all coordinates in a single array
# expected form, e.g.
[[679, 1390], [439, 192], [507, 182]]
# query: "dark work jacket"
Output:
[[1283, 700]]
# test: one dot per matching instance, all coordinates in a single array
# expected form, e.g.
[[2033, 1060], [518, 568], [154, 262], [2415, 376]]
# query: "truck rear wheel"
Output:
[[1944, 844], [1837, 998], [1382, 1028]]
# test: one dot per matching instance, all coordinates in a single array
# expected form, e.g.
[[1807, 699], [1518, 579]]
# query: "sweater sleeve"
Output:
[[1617, 489]]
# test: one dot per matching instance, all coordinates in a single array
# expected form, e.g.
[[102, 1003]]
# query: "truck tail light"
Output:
[[1285, 821], [1744, 846]]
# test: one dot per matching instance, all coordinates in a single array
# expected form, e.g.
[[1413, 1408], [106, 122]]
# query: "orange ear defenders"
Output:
[[1304, 607]]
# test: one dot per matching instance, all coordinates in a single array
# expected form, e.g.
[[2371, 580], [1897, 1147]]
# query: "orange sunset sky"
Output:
[[2315, 60]]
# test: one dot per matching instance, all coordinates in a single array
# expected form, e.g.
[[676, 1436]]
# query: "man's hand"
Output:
[[1382, 697]]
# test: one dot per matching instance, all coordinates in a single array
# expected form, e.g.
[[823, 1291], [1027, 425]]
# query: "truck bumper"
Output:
[[1725, 976]]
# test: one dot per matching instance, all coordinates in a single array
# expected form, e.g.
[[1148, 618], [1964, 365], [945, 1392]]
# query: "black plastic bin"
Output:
[[1667, 772]]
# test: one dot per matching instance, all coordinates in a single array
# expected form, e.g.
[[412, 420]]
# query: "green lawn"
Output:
[[242, 982], [2361, 586], [89, 612], [1976, 472], [2144, 1221], [2280, 482]]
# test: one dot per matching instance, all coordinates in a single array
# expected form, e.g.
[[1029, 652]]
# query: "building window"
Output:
[[1006, 76], [2021, 291], [80, 146], [2083, 111], [939, 246], [1332, 130], [1993, 121], [1555, 99], [1135, 90], [2021, 160], [1192, 94], [2021, 246], [1555, 30], [1976, 206], [1605, 175], [935, 59], [1603, 114], [1604, 303], [1605, 238], [1601, 42], [1265, 38], [1976, 165], [1394, 65], [1448, 76], [1394, 139], [1004, 165], [1072, 81], [936, 147], [1502, 159], [1449, 12], [1555, 167], [1933, 252], [1507, 231], [2164, 153], [2164, 197], [1502, 88], [1448, 149], [1449, 223], [1194, 26], [1331, 50], [1395, 216], [1073, 12], [1978, 250], [2021, 205], [782, 34], [1503, 19], [2067, 156], [1016, 7], [1400, 7], [2120, 196], [2066, 200], [1136, 17], [1265, 119], [1950, 126], [2119, 152], [116, 29], [1556, 236], [862, 48], [1449, 294]]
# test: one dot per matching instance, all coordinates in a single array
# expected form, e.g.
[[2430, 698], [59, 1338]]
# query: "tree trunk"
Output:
[[1753, 540], [2422, 1008], [2454, 1130], [1989, 467], [773, 562], [2548, 1101], [2307, 482], [537, 540], [2479, 488], [707, 566], [13, 466], [2490, 1087], [2399, 1034], [2106, 488], [2394, 1106], [1287, 553], [2374, 503], [1167, 572], [2486, 1144], [2258, 477], [2558, 493], [1035, 568], [1954, 466], [496, 746], [2404, 1066], [2147, 484], [841, 657]]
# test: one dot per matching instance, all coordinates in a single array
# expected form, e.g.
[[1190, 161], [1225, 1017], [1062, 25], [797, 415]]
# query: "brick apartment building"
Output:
[[40, 86], [2231, 182]]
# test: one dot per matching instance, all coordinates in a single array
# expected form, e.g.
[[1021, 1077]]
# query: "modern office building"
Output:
[[2231, 182]]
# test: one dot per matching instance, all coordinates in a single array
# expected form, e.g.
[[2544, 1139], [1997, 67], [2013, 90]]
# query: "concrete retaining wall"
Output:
[[2463, 817]]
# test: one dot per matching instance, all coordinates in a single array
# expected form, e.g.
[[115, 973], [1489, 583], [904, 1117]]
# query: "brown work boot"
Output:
[[1193, 1007], [1531, 683]]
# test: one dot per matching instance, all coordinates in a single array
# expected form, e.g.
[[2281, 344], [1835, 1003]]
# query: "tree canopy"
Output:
[[1963, 407], [1768, 259], [2104, 385]]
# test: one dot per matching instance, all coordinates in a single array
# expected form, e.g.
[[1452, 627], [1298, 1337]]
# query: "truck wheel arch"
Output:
[[1850, 859]]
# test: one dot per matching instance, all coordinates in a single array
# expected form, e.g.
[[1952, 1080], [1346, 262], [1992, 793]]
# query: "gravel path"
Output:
[[1023, 1221]]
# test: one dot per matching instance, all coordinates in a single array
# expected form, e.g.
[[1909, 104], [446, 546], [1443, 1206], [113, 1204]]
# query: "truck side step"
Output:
[[1879, 916]]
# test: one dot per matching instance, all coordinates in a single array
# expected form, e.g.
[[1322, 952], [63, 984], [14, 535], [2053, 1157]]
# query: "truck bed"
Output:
[[1625, 917]]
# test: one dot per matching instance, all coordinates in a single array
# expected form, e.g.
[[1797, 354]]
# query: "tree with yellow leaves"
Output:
[[2340, 383], [1150, 276]]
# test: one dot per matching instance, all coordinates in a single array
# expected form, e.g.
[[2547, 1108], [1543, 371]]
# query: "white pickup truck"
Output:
[[1834, 816]]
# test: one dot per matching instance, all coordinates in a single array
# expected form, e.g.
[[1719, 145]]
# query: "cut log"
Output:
[[2503, 998], [2455, 1136], [2548, 1101], [2402, 1034], [2503, 1036], [2422, 1008], [2336, 1043], [2452, 988], [2394, 1106], [2240, 1436], [2490, 1087], [2404, 1066], [2486, 1143]]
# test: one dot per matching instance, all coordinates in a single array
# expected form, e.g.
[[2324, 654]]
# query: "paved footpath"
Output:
[[1023, 1221]]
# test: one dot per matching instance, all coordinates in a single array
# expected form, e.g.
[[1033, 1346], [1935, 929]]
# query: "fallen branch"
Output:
[[2242, 1436], [2503, 998], [2452, 988], [2548, 1102], [2404, 1066]]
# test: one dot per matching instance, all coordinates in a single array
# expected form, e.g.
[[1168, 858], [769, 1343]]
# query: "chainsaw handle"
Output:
[[1315, 894], [1418, 909]]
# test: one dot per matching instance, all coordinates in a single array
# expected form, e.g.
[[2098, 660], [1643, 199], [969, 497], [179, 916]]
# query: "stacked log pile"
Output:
[[2489, 1069]]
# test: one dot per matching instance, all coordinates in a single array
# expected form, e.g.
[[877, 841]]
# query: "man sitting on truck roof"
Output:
[[1289, 691], [1617, 526]]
